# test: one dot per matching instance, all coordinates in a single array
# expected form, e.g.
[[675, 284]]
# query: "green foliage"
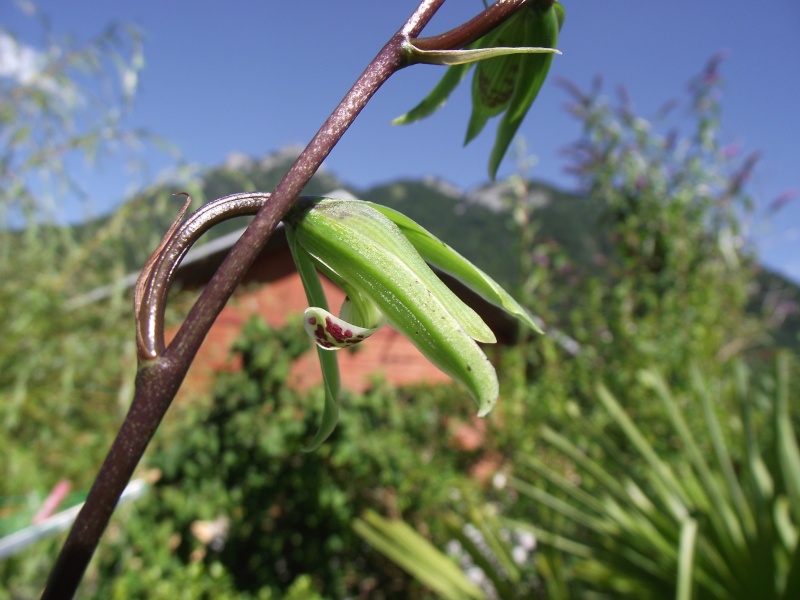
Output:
[[58, 103], [507, 83], [61, 384], [649, 270], [645, 498], [671, 205], [716, 518], [65, 362], [417, 556]]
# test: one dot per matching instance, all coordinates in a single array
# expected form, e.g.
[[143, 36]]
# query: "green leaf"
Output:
[[542, 30], [417, 556], [788, 452], [686, 559], [505, 79], [437, 98]]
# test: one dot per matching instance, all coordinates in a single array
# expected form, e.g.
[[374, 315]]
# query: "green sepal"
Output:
[[327, 360], [531, 30], [445, 258], [459, 62], [561, 14], [407, 259]]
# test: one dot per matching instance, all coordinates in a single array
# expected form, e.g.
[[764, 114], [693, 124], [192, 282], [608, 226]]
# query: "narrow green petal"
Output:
[[361, 311], [327, 360], [561, 14], [369, 251], [444, 258], [437, 98], [329, 364]]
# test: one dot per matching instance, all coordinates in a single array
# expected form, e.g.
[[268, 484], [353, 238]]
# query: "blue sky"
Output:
[[253, 76]]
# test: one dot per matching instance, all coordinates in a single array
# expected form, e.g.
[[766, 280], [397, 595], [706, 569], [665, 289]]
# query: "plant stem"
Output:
[[158, 380], [473, 29]]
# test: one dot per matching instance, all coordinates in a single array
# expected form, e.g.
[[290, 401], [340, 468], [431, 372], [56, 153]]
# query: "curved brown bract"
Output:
[[153, 284]]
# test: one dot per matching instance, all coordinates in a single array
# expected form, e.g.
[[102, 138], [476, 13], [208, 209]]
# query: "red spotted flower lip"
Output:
[[323, 334], [333, 333]]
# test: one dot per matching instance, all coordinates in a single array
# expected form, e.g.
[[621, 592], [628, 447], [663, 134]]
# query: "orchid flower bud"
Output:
[[378, 257]]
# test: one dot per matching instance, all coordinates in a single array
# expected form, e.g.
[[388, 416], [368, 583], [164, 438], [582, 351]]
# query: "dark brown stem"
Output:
[[475, 28], [158, 380]]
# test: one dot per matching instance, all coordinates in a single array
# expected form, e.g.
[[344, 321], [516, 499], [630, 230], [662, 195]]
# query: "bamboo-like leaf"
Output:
[[761, 482], [456, 529], [555, 540], [488, 526], [664, 478], [791, 588], [714, 499], [417, 556], [438, 96], [723, 457], [610, 483], [782, 515], [686, 562], [576, 514], [565, 485], [788, 452]]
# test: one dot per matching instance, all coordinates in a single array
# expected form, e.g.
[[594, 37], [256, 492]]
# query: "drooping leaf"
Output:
[[438, 96], [541, 29]]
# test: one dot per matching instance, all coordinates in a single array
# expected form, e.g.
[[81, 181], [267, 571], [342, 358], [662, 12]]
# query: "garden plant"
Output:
[[667, 463], [646, 447], [512, 44]]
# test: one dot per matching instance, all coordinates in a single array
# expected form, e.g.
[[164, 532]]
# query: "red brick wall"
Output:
[[386, 352]]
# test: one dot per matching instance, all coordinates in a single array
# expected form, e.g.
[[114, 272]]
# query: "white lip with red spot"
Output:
[[331, 332]]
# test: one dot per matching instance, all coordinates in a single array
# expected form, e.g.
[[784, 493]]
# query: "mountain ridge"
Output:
[[478, 223]]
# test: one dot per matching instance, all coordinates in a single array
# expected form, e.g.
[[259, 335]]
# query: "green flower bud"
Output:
[[378, 263]]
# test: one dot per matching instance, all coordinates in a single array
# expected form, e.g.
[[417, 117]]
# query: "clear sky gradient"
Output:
[[253, 76]]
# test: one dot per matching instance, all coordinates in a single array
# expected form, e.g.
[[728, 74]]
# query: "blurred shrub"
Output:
[[240, 502], [63, 374], [668, 291]]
